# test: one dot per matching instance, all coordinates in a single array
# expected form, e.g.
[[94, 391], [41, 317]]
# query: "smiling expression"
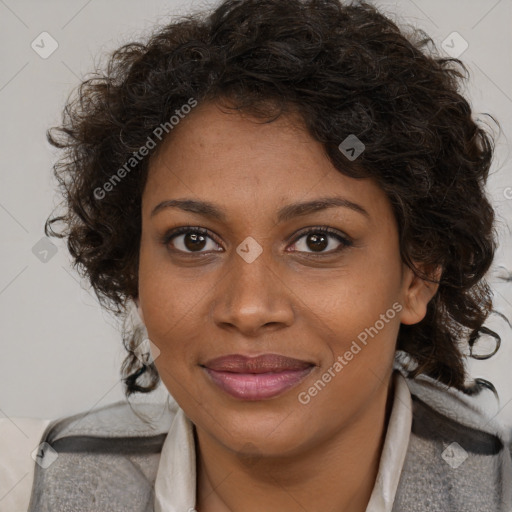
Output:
[[325, 266]]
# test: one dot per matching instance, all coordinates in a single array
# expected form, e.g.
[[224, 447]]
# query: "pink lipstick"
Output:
[[256, 378]]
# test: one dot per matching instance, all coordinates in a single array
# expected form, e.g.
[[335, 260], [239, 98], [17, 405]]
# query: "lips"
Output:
[[238, 363], [256, 378]]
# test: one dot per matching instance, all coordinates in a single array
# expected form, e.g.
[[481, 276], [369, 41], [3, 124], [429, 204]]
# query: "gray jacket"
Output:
[[108, 459]]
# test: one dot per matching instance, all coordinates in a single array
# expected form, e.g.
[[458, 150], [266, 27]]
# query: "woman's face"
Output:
[[263, 280]]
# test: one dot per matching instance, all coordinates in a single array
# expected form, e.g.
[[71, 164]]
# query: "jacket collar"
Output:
[[175, 485]]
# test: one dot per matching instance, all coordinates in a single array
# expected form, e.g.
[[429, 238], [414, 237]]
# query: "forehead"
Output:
[[215, 142], [230, 158]]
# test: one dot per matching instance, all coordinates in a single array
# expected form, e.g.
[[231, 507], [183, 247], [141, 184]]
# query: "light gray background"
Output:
[[60, 353]]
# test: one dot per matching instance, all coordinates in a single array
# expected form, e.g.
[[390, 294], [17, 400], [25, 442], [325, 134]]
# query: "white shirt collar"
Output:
[[175, 485]]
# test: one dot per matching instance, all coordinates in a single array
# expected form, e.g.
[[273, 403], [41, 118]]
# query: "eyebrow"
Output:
[[287, 212]]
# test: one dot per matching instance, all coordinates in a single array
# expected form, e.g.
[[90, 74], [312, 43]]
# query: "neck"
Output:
[[338, 474]]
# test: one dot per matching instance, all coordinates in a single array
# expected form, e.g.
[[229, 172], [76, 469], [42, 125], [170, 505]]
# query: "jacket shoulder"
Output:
[[456, 458], [106, 459], [120, 420]]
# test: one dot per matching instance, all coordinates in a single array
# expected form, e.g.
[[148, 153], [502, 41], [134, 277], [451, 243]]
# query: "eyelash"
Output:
[[345, 242]]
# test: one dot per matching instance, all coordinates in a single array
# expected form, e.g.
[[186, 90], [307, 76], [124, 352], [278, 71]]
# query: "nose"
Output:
[[253, 298]]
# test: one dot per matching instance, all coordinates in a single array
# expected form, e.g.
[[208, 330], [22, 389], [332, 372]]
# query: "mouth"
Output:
[[256, 378]]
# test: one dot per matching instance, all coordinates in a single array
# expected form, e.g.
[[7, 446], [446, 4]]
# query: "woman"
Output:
[[292, 195]]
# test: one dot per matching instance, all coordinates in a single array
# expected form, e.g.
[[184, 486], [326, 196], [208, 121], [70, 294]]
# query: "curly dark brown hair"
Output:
[[345, 69]]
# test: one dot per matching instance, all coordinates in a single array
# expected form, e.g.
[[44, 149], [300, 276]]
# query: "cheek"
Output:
[[361, 304], [173, 302], [367, 315], [165, 296]]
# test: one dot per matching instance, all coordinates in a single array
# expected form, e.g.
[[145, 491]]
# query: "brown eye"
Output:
[[190, 240], [319, 239], [194, 241], [317, 242]]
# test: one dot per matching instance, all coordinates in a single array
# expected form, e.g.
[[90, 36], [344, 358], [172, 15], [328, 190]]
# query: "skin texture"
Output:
[[276, 454]]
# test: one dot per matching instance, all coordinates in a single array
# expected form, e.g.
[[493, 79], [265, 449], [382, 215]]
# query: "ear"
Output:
[[417, 293]]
